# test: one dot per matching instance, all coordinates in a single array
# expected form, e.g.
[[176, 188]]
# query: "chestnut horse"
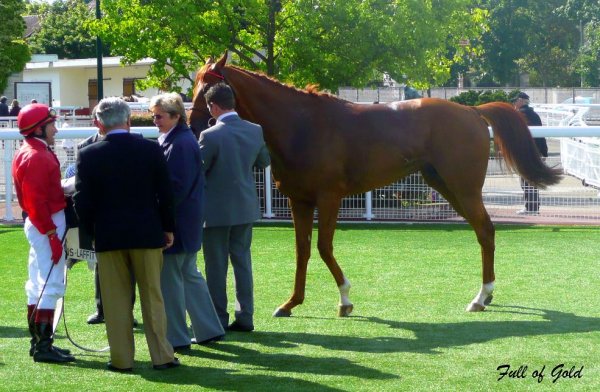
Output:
[[324, 148]]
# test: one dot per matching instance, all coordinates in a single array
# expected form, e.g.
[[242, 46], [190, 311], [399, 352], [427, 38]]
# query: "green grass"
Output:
[[408, 331]]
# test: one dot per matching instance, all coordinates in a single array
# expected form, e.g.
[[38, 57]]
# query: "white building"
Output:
[[73, 83]]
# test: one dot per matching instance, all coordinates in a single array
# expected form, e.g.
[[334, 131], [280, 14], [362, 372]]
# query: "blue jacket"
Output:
[[182, 152]]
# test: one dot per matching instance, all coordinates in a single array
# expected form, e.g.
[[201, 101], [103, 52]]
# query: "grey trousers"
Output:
[[219, 245], [184, 289]]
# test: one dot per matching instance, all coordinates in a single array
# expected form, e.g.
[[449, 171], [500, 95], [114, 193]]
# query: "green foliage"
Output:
[[62, 29], [14, 53], [529, 37], [479, 97], [142, 120], [329, 42], [587, 13]]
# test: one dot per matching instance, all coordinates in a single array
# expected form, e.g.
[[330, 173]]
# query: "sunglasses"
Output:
[[51, 112], [157, 116]]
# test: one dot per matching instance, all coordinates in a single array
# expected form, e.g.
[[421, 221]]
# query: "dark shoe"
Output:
[[52, 356], [96, 318], [168, 365], [208, 341], [237, 327], [182, 348], [62, 351], [112, 368]]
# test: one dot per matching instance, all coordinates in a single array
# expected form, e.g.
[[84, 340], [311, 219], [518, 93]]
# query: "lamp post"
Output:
[[99, 75]]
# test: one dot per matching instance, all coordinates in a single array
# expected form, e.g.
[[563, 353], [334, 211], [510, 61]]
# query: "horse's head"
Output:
[[207, 76]]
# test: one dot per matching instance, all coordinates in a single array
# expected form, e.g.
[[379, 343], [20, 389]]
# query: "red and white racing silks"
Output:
[[36, 174]]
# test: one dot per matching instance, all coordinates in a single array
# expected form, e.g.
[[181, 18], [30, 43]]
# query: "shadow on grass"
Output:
[[429, 338], [289, 363], [207, 377]]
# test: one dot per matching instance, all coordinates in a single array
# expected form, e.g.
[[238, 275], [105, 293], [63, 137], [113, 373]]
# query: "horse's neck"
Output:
[[257, 96], [265, 102]]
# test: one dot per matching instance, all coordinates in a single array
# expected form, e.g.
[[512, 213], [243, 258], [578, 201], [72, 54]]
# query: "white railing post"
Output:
[[368, 206], [268, 195], [9, 147]]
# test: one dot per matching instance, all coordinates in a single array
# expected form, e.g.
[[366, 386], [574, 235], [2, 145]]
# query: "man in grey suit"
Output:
[[230, 151]]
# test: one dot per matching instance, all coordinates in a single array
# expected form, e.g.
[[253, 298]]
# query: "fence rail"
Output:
[[574, 200]]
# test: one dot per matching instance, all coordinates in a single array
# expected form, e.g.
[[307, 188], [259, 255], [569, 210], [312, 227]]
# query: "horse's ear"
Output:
[[210, 60], [222, 60]]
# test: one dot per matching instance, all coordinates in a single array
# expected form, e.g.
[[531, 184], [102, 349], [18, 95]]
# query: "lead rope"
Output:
[[62, 308], [92, 350]]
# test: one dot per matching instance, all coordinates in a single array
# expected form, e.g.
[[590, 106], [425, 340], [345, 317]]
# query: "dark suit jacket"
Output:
[[230, 150], [535, 120], [182, 152], [123, 193]]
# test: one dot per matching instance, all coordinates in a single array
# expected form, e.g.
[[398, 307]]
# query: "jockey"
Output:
[[36, 173]]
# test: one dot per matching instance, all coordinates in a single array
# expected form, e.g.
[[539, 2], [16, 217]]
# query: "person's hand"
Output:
[[56, 246], [168, 240]]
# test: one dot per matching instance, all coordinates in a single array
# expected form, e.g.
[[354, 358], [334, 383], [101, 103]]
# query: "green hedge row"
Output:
[[141, 120], [474, 98]]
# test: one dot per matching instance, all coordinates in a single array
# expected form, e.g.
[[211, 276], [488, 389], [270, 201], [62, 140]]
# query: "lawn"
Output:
[[408, 332]]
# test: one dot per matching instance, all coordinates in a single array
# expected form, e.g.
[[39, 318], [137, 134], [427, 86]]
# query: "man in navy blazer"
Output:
[[230, 151], [124, 200]]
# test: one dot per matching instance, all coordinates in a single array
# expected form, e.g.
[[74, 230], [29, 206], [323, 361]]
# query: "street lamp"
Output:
[[99, 75]]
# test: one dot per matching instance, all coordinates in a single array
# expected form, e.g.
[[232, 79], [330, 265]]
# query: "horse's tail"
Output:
[[517, 147]]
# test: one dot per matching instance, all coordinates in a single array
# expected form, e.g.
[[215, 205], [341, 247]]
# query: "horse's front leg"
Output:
[[302, 214], [328, 211]]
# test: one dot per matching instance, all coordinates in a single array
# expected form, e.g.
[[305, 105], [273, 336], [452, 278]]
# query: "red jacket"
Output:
[[36, 173]]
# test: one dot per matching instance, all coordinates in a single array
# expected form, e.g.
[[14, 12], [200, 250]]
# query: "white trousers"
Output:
[[40, 262]]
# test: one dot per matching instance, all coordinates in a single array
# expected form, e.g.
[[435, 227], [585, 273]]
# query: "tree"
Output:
[[327, 42], [14, 53], [587, 14], [63, 29], [529, 36]]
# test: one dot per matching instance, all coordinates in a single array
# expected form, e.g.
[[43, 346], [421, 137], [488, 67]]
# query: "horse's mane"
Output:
[[310, 89]]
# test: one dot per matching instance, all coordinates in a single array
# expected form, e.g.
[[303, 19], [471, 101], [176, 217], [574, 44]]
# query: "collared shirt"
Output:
[[116, 131], [163, 136], [222, 116]]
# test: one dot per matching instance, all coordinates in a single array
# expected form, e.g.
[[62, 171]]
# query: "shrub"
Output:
[[141, 120], [474, 98]]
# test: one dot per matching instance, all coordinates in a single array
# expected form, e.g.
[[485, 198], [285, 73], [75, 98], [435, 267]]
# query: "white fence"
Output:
[[409, 199]]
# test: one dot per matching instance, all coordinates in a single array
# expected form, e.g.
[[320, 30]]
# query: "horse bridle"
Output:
[[205, 88]]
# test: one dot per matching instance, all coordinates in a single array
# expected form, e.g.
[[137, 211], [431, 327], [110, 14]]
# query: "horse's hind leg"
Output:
[[470, 206], [328, 211], [479, 219], [302, 214]]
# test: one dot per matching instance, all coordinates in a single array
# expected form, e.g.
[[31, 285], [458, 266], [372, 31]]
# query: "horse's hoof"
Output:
[[488, 300], [345, 310], [475, 307], [280, 312]]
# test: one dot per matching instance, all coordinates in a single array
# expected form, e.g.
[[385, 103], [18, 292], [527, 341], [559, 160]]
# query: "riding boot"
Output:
[[63, 351], [44, 351], [31, 323]]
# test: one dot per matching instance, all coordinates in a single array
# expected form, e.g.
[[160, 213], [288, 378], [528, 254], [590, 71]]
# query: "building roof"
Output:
[[83, 63], [32, 25]]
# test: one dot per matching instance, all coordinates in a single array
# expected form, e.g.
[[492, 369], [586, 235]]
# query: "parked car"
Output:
[[579, 100]]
